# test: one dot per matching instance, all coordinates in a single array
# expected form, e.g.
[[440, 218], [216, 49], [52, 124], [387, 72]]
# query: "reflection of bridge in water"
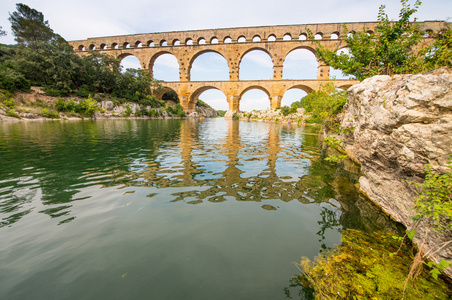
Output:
[[233, 44]]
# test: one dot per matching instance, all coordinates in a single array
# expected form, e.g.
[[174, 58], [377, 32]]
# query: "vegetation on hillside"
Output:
[[43, 58]]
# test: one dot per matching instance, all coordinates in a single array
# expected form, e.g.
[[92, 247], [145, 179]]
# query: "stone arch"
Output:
[[150, 43], [175, 42], [114, 45], [303, 37], [201, 41], [257, 38], [293, 94], [271, 38], [287, 37], [138, 44], [103, 46], [241, 39], [227, 40], [155, 57], [92, 47], [335, 35], [302, 87], [198, 54], [214, 40], [250, 88], [318, 36], [255, 48], [125, 45], [195, 95], [254, 87], [189, 41], [300, 63], [163, 43], [81, 48], [124, 55]]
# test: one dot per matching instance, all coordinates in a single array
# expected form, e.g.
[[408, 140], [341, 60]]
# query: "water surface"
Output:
[[167, 209]]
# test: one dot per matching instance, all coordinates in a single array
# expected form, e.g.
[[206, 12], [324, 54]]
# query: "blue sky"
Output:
[[80, 19]]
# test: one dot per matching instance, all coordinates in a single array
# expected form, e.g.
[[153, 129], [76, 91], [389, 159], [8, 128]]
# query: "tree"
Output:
[[28, 26], [2, 32], [389, 50]]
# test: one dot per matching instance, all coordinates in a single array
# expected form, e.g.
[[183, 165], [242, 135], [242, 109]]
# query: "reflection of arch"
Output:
[[303, 87], [254, 87]]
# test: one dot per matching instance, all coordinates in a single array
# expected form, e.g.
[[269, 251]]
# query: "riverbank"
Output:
[[36, 105]]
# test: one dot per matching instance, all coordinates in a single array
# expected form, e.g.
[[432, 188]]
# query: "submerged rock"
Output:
[[400, 124]]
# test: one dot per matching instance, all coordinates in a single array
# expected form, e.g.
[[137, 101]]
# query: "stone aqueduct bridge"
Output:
[[233, 44]]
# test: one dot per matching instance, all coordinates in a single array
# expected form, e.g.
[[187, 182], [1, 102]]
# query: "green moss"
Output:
[[368, 266]]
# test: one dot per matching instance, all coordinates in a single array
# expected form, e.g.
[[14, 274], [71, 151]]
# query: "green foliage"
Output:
[[286, 110], [435, 198], [128, 111], [50, 113], [440, 54], [2, 32], [201, 103], [86, 107], [171, 95], [221, 113], [324, 103], [363, 268], [28, 26], [389, 50]]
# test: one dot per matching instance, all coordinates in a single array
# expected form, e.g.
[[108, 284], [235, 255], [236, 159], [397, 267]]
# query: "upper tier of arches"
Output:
[[263, 34]]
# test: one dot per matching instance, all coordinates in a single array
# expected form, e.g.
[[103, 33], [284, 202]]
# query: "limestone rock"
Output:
[[401, 123]]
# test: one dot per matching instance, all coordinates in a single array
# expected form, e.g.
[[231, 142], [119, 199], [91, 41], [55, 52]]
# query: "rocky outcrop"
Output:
[[203, 112], [400, 124]]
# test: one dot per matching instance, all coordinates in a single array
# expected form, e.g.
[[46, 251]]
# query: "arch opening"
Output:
[[294, 94], [271, 38], [129, 61], [114, 46], [303, 37], [256, 65], [81, 48], [209, 66], [92, 47], [201, 41], [189, 42], [214, 97], [227, 40], [103, 46], [287, 37], [176, 42], [300, 63], [334, 36], [214, 40], [138, 44], [165, 67], [254, 98], [256, 38], [241, 39], [150, 44], [318, 36], [163, 43]]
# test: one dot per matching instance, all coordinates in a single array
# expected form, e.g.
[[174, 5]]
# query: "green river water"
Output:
[[168, 209]]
